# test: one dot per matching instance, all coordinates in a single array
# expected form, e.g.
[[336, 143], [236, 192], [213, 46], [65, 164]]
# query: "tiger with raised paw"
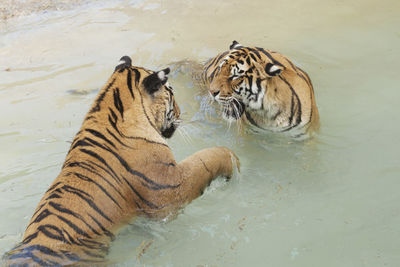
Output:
[[119, 166]]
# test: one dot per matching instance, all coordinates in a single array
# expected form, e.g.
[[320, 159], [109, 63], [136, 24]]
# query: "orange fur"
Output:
[[276, 95], [119, 166]]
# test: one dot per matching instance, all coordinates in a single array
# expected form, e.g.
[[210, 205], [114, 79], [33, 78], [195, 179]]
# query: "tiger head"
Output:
[[157, 97], [164, 108], [240, 78]]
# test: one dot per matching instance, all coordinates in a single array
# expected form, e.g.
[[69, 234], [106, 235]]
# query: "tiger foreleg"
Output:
[[199, 169]]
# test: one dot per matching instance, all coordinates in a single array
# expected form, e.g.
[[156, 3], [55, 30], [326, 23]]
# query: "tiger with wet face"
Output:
[[119, 166], [262, 88]]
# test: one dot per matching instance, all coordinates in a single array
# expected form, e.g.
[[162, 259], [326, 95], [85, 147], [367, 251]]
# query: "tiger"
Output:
[[119, 166], [262, 88]]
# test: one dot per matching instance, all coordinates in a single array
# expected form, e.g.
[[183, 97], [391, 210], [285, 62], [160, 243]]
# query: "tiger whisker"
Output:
[[185, 136]]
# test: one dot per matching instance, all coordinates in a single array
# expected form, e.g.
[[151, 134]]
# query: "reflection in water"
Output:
[[331, 199]]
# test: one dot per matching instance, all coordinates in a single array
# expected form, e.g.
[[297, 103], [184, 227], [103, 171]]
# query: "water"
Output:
[[330, 201]]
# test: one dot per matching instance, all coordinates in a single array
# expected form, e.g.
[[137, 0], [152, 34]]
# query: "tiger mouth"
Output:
[[233, 109]]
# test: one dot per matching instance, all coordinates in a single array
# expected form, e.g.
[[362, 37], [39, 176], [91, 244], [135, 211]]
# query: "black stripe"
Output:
[[80, 143], [154, 185], [115, 118], [53, 195], [44, 214], [42, 249], [258, 82], [30, 256], [114, 125], [101, 97], [269, 56], [110, 171], [205, 166], [73, 226], [291, 110], [41, 206], [298, 118], [90, 243], [217, 59], [87, 179], [71, 240], [76, 137], [306, 77], [251, 120], [59, 208], [91, 254], [211, 62], [30, 238], [71, 256], [250, 80], [221, 56], [118, 103], [48, 230], [88, 201], [148, 203], [211, 77], [297, 69], [53, 186], [276, 115], [129, 82], [105, 231], [69, 188], [96, 156], [101, 136], [90, 117], [311, 93], [139, 208], [137, 78], [145, 113], [253, 57], [91, 169], [116, 138], [255, 52]]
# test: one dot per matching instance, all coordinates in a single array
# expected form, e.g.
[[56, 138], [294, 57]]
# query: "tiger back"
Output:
[[262, 88], [118, 166]]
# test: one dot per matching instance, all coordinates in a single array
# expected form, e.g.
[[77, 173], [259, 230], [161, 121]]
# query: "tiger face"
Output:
[[240, 81], [262, 88], [163, 106], [158, 101]]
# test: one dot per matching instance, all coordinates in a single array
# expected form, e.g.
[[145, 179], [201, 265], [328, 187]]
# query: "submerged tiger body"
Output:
[[262, 88], [119, 166]]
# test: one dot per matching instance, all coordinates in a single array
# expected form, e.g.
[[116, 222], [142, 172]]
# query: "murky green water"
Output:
[[331, 201]]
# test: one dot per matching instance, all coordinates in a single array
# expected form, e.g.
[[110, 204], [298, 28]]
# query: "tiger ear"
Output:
[[273, 69], [124, 62], [153, 82], [235, 45]]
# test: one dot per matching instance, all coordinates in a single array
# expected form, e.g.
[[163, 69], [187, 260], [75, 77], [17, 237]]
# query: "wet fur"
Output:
[[276, 95], [119, 166]]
